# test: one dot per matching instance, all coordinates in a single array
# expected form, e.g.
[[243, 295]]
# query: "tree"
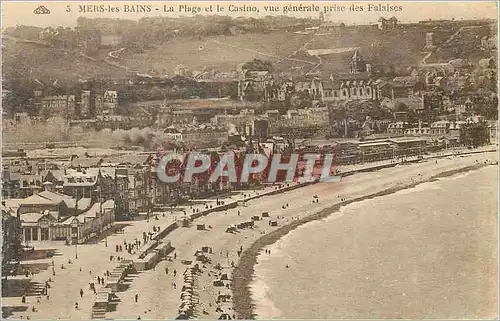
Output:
[[475, 134], [301, 100], [258, 65]]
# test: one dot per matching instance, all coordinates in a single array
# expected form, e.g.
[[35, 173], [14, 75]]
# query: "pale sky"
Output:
[[21, 13]]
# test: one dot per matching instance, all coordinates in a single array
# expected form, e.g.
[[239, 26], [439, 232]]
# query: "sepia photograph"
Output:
[[249, 160]]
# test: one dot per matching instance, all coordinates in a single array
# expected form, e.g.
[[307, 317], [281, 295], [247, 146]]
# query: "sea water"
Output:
[[424, 252]]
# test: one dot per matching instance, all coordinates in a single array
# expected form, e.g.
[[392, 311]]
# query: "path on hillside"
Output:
[[37, 42], [113, 53], [261, 53], [303, 48], [424, 63]]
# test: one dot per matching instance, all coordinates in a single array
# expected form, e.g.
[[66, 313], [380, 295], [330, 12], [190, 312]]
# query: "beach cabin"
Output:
[[101, 304], [200, 227], [218, 283], [265, 214], [255, 218], [186, 223], [203, 259], [274, 223]]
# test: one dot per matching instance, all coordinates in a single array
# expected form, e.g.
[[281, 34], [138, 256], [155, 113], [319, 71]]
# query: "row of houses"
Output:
[[87, 179], [443, 128]]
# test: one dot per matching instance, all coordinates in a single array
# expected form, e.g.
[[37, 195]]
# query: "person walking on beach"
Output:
[[175, 273], [81, 293], [166, 270], [136, 297]]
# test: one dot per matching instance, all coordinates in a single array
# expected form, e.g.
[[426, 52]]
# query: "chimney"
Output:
[[368, 68], [48, 186]]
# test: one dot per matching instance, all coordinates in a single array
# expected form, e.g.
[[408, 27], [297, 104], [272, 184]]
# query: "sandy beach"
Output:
[[159, 298]]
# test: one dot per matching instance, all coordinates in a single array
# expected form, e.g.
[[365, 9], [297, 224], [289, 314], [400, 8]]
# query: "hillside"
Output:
[[399, 48], [35, 61], [222, 52]]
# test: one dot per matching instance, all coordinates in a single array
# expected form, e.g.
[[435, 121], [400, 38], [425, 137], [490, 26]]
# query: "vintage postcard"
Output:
[[249, 160]]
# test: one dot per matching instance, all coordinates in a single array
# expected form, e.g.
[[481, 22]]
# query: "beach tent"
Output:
[[218, 283], [223, 297], [265, 214], [185, 223], [200, 227], [225, 316], [274, 223], [256, 218], [224, 277]]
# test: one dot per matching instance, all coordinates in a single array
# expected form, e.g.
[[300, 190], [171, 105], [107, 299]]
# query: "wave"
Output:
[[260, 290]]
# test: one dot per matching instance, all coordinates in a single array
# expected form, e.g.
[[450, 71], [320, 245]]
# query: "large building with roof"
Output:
[[49, 216]]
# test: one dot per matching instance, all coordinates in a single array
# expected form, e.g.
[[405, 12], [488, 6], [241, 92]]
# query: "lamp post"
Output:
[[76, 250]]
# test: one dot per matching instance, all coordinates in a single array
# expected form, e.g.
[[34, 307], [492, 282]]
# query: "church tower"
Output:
[[357, 63]]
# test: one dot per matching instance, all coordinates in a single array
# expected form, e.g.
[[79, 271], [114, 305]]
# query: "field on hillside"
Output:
[[401, 48], [222, 52]]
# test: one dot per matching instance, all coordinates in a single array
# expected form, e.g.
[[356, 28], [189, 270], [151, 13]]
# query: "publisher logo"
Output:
[[41, 10]]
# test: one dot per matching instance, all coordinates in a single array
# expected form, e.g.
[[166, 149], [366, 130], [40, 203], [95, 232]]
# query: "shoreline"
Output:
[[243, 273]]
